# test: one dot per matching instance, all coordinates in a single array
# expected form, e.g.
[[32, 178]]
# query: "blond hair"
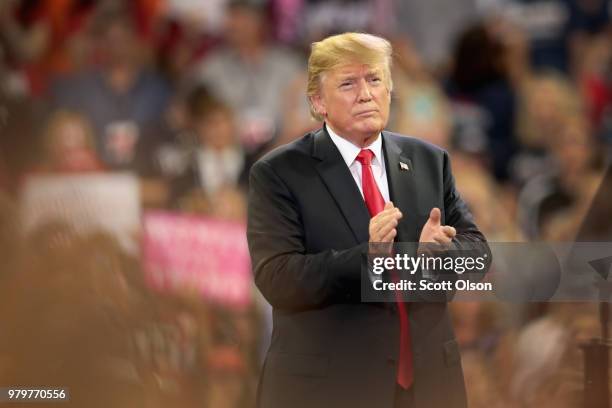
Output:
[[342, 49]]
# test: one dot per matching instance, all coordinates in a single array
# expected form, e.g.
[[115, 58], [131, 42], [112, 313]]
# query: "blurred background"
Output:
[[127, 129]]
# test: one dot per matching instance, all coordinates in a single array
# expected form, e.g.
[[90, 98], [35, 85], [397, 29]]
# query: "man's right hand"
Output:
[[382, 225]]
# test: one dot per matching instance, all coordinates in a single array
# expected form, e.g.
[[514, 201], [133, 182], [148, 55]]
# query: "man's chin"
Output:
[[372, 128]]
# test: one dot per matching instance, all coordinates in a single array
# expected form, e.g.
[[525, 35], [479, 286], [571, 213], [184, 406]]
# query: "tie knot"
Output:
[[365, 157]]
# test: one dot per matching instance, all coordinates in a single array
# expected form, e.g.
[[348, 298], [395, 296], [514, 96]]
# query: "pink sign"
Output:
[[197, 253]]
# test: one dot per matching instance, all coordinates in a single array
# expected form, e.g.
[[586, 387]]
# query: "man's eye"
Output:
[[345, 84], [375, 79]]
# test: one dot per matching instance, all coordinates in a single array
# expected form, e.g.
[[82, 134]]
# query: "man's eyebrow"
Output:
[[346, 77], [343, 77], [351, 77]]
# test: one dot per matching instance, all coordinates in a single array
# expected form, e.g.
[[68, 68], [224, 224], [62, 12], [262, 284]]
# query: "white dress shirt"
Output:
[[219, 168], [349, 153]]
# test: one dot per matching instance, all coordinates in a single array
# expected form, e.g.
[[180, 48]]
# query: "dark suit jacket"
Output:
[[308, 233]]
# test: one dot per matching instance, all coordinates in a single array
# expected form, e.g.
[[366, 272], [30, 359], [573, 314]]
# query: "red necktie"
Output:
[[375, 203]]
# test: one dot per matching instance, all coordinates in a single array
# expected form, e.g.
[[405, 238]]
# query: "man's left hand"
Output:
[[433, 231]]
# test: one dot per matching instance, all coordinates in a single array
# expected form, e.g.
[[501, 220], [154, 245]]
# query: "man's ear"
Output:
[[318, 104]]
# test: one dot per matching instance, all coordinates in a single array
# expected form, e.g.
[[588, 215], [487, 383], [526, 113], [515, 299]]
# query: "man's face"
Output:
[[354, 99]]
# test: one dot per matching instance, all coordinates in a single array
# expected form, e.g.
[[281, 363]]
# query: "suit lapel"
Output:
[[341, 185], [401, 177]]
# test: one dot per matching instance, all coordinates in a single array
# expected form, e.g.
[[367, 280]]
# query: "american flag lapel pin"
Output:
[[403, 166]]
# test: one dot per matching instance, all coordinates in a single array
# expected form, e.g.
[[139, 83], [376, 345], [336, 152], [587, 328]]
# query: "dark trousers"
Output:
[[404, 398]]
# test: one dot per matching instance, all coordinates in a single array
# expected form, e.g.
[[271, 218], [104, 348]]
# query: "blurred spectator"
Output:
[[24, 32], [556, 29], [68, 328], [422, 111], [301, 22], [121, 95], [481, 381], [181, 46], [583, 179], [542, 376], [490, 203], [593, 77], [45, 38], [420, 107], [207, 15], [164, 155], [434, 41], [69, 144], [252, 76], [477, 327], [546, 98], [561, 196], [483, 97], [216, 160], [231, 359], [111, 341], [516, 48], [187, 32]]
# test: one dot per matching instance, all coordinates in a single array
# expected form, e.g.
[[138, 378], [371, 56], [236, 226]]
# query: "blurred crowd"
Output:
[[187, 94]]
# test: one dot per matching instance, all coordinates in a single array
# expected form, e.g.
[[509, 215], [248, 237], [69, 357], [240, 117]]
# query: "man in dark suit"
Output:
[[314, 207]]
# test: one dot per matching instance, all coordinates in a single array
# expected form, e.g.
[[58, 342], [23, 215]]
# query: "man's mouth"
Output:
[[367, 112]]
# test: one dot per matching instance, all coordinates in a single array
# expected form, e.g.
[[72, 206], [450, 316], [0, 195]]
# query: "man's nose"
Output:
[[364, 91]]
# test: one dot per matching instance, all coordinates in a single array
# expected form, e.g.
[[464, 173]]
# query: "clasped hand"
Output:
[[383, 228]]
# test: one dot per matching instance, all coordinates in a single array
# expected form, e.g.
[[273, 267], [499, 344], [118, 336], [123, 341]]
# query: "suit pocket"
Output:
[[451, 353], [298, 364]]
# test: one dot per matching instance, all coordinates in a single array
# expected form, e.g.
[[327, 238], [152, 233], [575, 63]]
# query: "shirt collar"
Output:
[[349, 151]]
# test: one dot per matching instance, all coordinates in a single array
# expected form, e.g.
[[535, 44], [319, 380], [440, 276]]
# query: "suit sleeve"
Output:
[[286, 275], [457, 213], [469, 241]]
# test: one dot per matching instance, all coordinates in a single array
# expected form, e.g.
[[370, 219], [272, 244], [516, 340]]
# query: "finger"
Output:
[[388, 206], [387, 211], [390, 236], [391, 219], [385, 217], [434, 217], [395, 214], [441, 239], [384, 230], [449, 231]]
